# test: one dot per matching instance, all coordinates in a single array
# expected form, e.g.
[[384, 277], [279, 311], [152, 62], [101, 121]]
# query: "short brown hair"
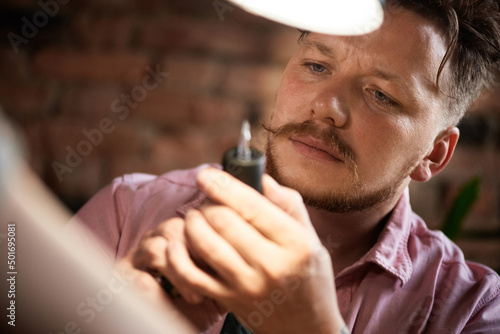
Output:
[[473, 31]]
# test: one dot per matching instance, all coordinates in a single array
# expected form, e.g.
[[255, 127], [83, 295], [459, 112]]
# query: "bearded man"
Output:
[[332, 244]]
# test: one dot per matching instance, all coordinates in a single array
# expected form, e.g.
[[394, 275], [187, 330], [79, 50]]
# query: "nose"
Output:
[[329, 104]]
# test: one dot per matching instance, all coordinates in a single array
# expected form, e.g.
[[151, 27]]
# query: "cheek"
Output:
[[291, 101], [384, 146]]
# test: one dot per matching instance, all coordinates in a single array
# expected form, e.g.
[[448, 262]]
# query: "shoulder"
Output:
[[139, 182], [434, 248], [145, 197], [467, 288], [132, 204]]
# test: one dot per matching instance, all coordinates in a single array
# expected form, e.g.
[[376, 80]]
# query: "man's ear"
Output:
[[438, 157]]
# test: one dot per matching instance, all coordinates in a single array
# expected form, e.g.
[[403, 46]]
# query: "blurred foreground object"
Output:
[[335, 17], [51, 285]]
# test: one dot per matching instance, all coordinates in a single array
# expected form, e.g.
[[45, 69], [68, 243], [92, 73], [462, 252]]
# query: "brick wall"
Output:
[[102, 88]]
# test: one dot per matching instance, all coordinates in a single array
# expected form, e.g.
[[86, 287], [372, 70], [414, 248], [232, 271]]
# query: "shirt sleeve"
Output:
[[98, 223], [486, 318]]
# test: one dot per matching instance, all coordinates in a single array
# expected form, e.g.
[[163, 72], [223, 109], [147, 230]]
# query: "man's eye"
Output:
[[315, 67], [318, 68], [381, 96], [382, 99]]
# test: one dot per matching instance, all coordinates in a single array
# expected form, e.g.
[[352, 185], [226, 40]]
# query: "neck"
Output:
[[349, 236]]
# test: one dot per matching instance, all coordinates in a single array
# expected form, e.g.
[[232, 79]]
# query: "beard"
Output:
[[351, 197]]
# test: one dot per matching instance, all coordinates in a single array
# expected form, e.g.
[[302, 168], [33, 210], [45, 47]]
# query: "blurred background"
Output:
[[100, 88]]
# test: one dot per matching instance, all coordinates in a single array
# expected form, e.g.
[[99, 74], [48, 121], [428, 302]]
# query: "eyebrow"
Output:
[[322, 48], [388, 76], [392, 77]]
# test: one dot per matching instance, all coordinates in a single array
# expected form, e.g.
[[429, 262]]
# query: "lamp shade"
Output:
[[336, 17]]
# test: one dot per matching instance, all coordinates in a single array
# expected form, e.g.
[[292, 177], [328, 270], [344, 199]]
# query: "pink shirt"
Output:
[[412, 281]]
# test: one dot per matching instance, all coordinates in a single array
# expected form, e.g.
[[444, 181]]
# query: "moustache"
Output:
[[329, 137]]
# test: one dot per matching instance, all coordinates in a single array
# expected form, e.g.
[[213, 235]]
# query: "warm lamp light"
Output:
[[336, 17]]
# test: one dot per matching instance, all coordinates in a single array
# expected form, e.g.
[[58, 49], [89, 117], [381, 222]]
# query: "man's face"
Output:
[[355, 115]]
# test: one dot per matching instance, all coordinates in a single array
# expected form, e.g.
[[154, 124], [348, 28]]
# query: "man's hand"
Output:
[[268, 265], [150, 258]]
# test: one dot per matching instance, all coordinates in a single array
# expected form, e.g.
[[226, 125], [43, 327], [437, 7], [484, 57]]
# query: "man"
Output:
[[356, 119]]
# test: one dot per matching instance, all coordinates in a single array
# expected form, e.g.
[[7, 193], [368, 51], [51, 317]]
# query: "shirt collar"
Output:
[[390, 251]]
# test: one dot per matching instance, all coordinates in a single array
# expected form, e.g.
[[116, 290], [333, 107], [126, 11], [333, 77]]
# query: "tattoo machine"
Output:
[[245, 163]]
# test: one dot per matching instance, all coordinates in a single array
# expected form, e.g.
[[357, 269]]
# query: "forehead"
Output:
[[407, 48]]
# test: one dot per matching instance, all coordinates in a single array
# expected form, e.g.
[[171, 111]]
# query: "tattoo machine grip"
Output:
[[249, 171]]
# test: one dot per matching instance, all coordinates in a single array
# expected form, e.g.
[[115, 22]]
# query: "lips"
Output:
[[309, 144]]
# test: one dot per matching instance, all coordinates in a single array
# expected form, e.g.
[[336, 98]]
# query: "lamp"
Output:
[[336, 17]]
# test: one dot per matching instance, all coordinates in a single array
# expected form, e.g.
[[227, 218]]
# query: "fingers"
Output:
[[236, 232], [146, 283], [150, 260], [216, 251], [150, 255], [191, 281], [249, 204]]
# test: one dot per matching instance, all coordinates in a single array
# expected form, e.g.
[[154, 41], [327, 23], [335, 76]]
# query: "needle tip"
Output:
[[244, 152]]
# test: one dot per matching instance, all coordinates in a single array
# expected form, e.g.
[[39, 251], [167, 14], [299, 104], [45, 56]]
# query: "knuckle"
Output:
[[145, 281], [307, 254], [297, 244], [295, 196], [301, 260], [310, 259], [143, 243], [252, 211], [153, 247], [163, 229], [277, 276], [170, 228], [273, 269], [322, 255], [253, 288], [149, 251]]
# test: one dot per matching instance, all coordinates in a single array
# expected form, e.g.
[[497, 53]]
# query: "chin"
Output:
[[327, 188]]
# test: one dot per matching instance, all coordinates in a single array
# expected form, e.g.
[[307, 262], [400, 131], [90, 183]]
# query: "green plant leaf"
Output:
[[461, 206]]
